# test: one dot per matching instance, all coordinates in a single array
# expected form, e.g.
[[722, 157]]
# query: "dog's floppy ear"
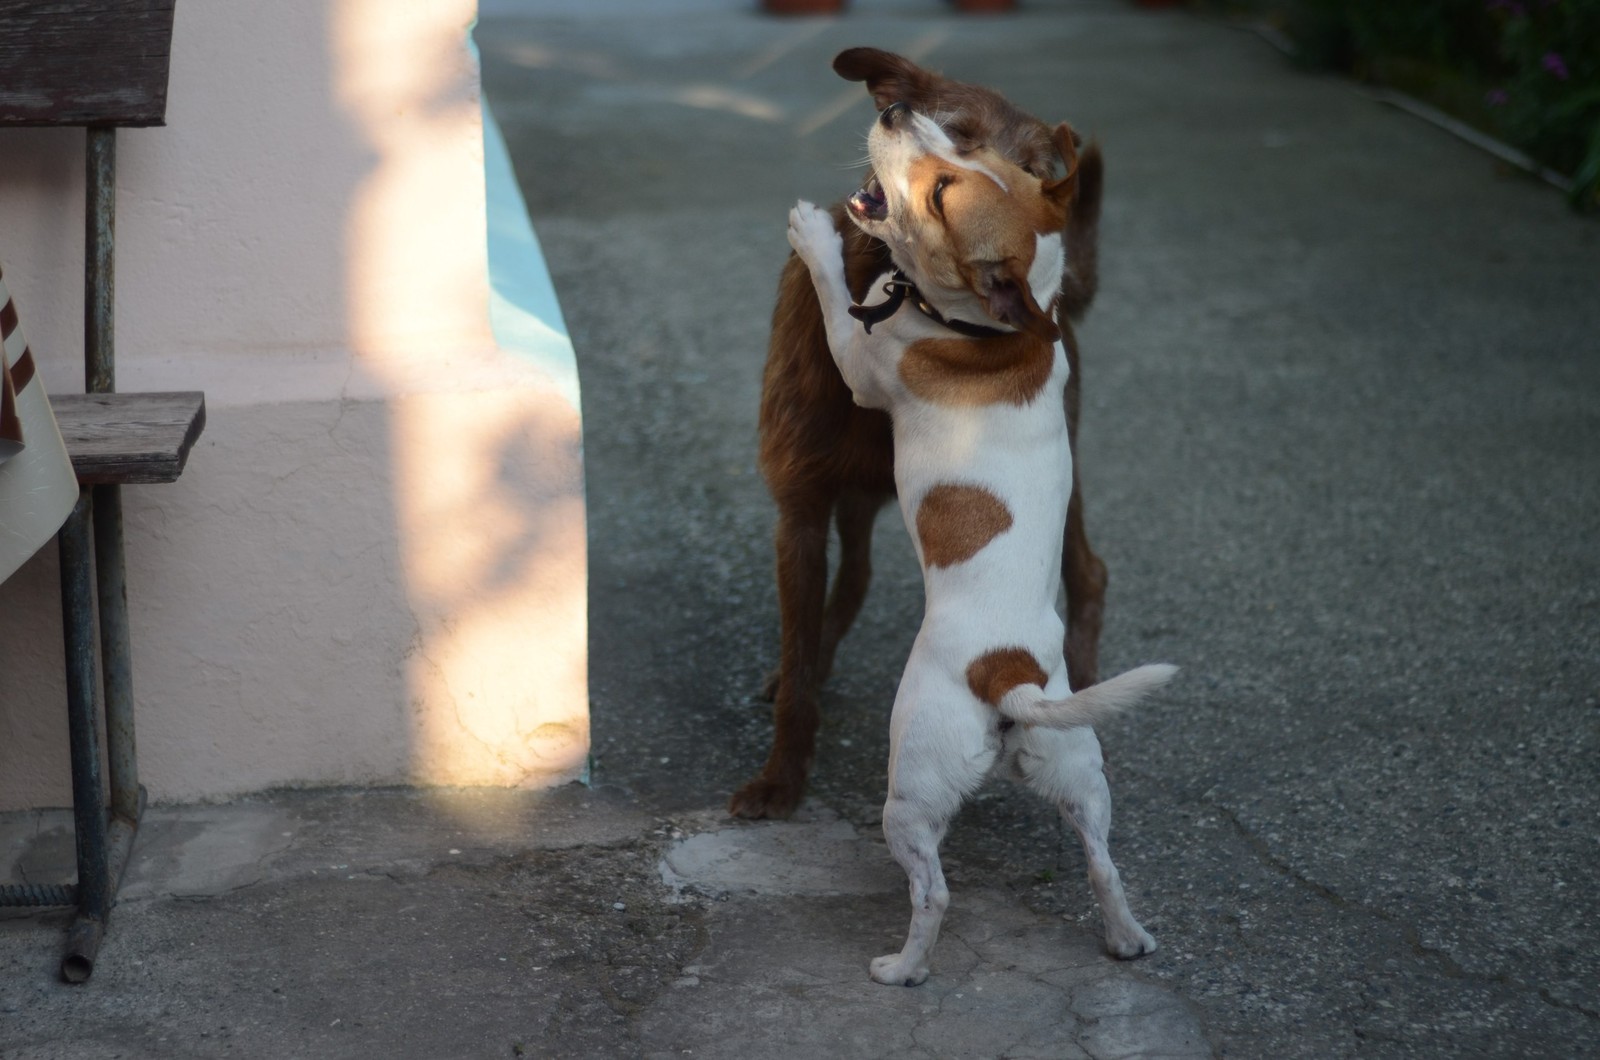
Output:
[[1010, 301], [890, 78], [1064, 188]]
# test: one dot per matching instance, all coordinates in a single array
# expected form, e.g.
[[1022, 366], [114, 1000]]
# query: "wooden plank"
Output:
[[84, 62], [123, 439]]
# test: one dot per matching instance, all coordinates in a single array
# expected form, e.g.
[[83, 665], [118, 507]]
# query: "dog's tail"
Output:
[[1027, 703], [1082, 276]]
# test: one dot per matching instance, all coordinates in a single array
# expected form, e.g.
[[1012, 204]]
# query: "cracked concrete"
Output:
[[804, 903], [1006, 983], [495, 923]]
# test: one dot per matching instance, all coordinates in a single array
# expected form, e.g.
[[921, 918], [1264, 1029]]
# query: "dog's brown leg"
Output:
[[802, 546], [1083, 574], [854, 517]]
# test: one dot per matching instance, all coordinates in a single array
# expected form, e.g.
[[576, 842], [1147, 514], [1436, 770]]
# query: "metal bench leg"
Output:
[[104, 841], [116, 668], [88, 805], [116, 656], [100, 264]]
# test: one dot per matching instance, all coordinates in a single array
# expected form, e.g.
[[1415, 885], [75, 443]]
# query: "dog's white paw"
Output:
[[812, 235], [893, 969], [1129, 941]]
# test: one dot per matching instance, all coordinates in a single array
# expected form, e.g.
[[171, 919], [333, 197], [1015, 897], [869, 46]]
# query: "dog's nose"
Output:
[[893, 114]]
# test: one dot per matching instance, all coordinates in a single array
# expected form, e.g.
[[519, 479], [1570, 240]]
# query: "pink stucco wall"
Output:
[[373, 570]]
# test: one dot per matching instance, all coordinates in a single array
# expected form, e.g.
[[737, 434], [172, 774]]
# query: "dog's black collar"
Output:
[[899, 289]]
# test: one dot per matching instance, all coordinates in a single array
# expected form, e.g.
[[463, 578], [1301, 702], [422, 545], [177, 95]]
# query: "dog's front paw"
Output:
[[1129, 942], [813, 237], [893, 969]]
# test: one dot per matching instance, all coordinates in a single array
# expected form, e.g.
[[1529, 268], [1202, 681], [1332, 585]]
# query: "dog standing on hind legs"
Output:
[[971, 369], [827, 461]]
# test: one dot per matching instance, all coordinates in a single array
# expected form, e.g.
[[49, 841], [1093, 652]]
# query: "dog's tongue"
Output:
[[869, 203]]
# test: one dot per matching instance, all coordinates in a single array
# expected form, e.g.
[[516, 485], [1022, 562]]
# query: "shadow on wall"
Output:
[[41, 245]]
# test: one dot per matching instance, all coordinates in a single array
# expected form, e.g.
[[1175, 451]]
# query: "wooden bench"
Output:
[[129, 439], [100, 64]]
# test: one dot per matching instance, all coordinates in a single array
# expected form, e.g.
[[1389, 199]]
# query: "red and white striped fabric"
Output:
[[12, 379], [37, 486]]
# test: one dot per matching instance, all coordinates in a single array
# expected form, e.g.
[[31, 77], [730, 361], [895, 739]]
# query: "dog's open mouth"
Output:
[[869, 204]]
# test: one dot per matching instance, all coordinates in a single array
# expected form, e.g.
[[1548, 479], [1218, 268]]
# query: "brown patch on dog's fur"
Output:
[[818, 446], [1011, 215], [994, 673], [955, 521], [967, 372]]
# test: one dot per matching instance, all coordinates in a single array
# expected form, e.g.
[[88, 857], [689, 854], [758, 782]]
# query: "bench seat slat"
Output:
[[84, 62], [125, 439]]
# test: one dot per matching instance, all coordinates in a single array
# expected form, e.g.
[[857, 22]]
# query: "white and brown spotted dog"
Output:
[[964, 355]]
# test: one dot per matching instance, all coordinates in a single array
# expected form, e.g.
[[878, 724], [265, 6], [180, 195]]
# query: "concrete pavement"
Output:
[[1341, 453], [569, 924]]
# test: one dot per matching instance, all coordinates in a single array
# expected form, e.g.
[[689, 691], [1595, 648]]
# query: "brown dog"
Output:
[[825, 458]]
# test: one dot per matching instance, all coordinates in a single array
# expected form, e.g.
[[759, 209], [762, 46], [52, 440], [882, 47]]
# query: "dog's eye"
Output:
[[938, 193]]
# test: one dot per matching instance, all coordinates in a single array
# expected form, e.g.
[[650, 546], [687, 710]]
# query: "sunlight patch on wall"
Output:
[[488, 457]]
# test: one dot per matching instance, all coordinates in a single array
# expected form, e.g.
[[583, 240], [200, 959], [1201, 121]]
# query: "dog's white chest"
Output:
[[983, 486]]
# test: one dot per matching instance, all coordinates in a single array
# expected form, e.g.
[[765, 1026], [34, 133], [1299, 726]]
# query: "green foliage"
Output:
[[1548, 96], [1527, 70]]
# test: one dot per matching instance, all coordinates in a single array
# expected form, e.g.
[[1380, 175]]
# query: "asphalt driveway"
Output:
[[1341, 452]]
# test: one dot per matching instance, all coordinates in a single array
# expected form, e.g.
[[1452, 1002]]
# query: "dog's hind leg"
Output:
[[1084, 577], [914, 835], [1083, 574], [932, 768], [1065, 767]]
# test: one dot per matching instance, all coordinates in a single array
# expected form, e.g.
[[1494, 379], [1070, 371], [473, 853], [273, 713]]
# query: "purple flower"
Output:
[[1555, 65], [1496, 97]]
